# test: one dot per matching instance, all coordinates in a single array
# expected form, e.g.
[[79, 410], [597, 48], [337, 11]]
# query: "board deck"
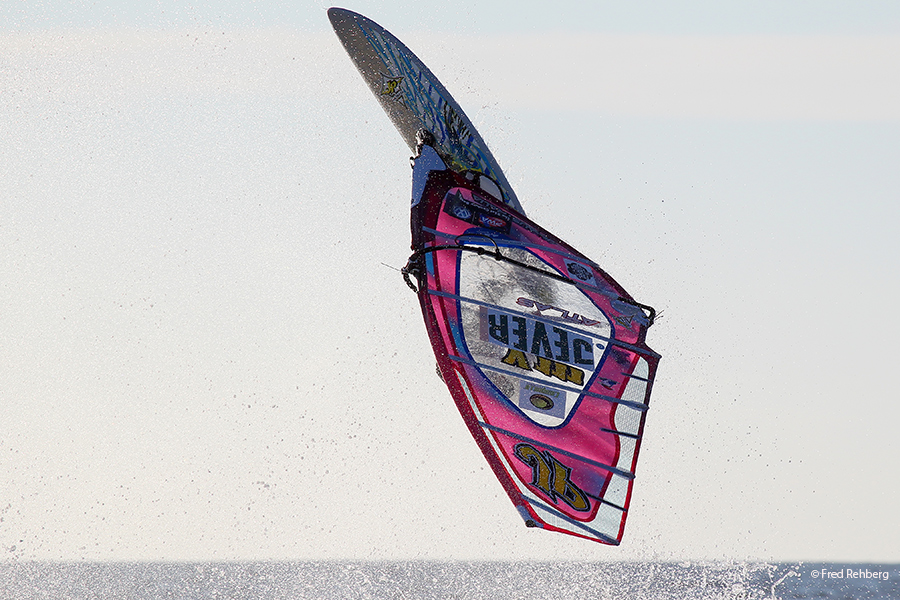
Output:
[[414, 98]]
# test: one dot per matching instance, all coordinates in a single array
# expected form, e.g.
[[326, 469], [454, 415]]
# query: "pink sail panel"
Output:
[[543, 353]]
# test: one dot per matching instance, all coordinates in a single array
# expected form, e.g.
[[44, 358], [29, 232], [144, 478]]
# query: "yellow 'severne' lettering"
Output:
[[550, 368], [516, 358]]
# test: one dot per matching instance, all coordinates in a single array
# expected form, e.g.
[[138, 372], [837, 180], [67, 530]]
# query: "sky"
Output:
[[210, 355]]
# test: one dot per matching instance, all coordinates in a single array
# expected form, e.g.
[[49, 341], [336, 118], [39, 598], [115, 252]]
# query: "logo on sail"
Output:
[[552, 477], [536, 337]]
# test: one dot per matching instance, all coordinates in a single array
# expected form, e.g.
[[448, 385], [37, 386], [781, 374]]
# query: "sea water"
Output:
[[444, 580]]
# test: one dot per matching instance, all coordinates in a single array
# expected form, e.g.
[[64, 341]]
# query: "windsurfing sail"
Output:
[[414, 98], [543, 352]]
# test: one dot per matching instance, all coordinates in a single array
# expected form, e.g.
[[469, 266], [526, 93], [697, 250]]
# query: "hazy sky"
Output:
[[207, 357], [472, 16]]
